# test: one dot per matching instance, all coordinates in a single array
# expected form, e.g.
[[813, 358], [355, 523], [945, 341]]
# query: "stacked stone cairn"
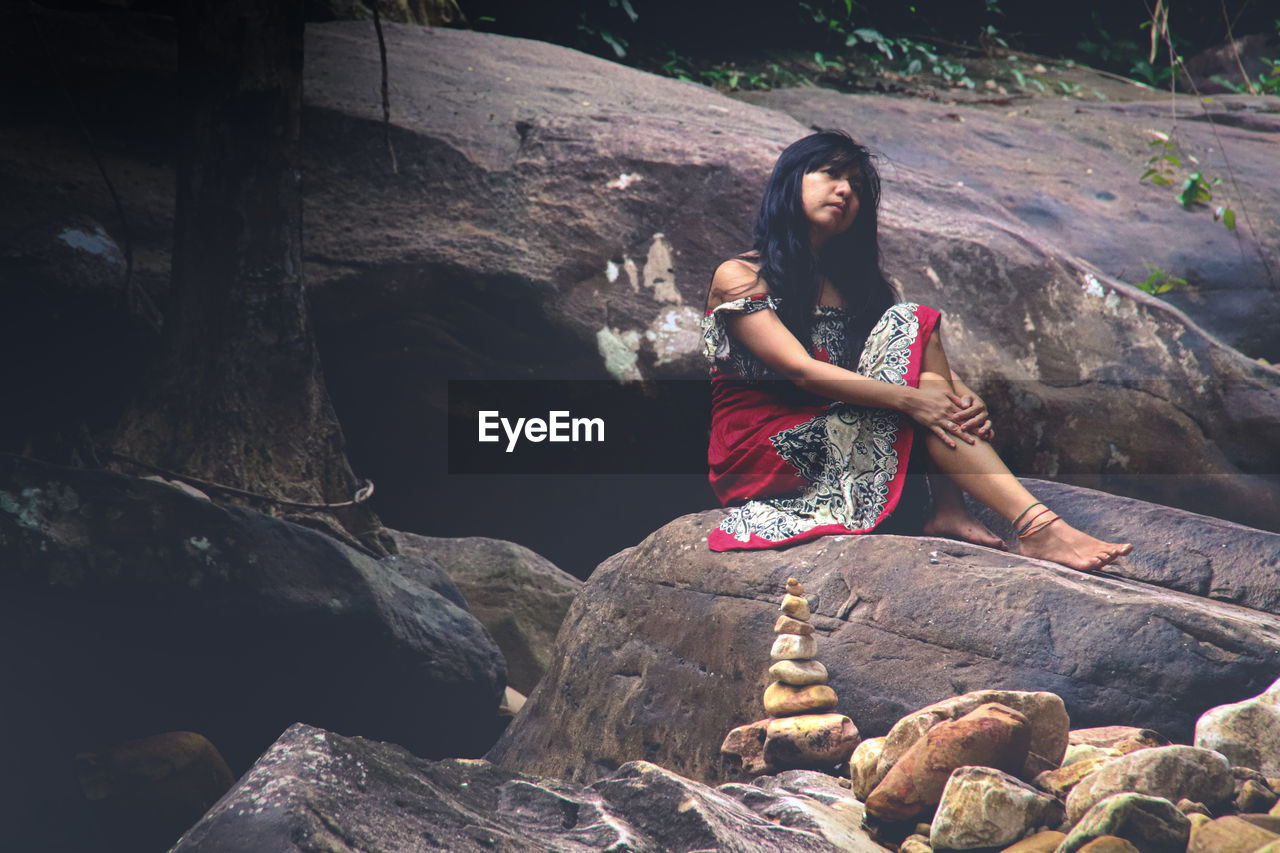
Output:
[[801, 731]]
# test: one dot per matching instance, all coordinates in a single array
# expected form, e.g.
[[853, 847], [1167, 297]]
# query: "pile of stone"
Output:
[[1003, 771], [801, 732]]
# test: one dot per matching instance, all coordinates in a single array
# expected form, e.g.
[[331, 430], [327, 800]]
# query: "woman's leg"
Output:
[[949, 517], [978, 470]]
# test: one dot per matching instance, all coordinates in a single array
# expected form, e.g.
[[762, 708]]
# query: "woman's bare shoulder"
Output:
[[734, 279]]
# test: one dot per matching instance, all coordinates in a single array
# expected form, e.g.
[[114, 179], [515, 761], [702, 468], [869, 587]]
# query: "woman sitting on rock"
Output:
[[815, 438]]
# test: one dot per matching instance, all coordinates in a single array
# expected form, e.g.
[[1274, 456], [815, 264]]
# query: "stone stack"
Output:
[[800, 681], [799, 732]]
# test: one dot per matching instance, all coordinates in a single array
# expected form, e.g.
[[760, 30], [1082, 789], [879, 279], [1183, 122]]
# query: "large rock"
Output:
[[519, 596], [147, 610], [989, 736], [663, 651], [982, 807], [557, 215], [316, 790], [1172, 548], [588, 235], [1152, 824], [1170, 772], [1066, 170], [1047, 722], [1247, 733]]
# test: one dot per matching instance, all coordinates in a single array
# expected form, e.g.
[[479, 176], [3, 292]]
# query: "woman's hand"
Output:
[[973, 416], [939, 411]]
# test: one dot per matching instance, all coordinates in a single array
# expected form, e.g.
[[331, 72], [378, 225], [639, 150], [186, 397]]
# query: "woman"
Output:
[[816, 439]]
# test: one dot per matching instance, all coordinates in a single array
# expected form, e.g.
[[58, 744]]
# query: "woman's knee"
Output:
[[933, 381]]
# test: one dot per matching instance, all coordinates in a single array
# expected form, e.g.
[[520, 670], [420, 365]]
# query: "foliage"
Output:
[[905, 55], [1267, 83], [1119, 53], [1162, 169], [724, 75], [609, 37], [1159, 282]]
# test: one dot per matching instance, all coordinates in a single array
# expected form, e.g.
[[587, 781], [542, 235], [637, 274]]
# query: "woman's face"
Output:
[[829, 197]]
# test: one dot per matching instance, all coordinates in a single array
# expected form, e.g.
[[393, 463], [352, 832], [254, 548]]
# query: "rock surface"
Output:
[[1078, 163], [316, 790], [518, 596], [1152, 824], [1229, 835], [1170, 772], [1172, 548], [660, 652], [601, 160], [152, 611], [1247, 732], [988, 736], [1046, 717], [982, 807], [589, 240]]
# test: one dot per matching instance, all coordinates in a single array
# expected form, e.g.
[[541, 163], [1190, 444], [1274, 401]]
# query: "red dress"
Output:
[[806, 466]]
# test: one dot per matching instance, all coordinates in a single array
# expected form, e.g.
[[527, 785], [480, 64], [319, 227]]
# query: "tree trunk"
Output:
[[240, 399]]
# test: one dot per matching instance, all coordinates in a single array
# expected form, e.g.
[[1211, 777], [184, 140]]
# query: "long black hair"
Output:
[[850, 260]]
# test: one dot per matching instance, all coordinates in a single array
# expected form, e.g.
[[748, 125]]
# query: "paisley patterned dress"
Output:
[[800, 466]]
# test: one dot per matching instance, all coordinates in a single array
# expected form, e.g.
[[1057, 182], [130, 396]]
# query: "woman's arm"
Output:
[[772, 342]]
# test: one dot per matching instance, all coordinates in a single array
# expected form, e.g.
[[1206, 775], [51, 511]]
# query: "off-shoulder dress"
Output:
[[797, 466]]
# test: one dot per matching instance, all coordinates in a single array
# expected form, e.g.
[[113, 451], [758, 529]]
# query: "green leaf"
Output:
[[1161, 180], [626, 7], [615, 43], [1172, 158], [1229, 219]]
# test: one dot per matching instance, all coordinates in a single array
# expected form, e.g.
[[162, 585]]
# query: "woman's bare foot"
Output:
[[955, 522], [1059, 542]]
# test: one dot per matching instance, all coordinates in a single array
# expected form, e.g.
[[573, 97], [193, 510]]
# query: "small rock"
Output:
[[982, 807], [783, 700], [1171, 772], [512, 701], [1198, 819], [799, 672], [1247, 733], [810, 741], [745, 744], [1188, 807], [992, 735], [1255, 797], [147, 791], [1123, 739], [1109, 844], [1082, 751], [1060, 782], [794, 587], [1229, 835], [787, 625], [1270, 823], [795, 607], [1046, 841], [793, 647], [1152, 824], [862, 767], [915, 844]]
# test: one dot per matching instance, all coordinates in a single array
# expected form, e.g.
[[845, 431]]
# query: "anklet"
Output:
[[1025, 534], [1019, 516], [1032, 520]]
